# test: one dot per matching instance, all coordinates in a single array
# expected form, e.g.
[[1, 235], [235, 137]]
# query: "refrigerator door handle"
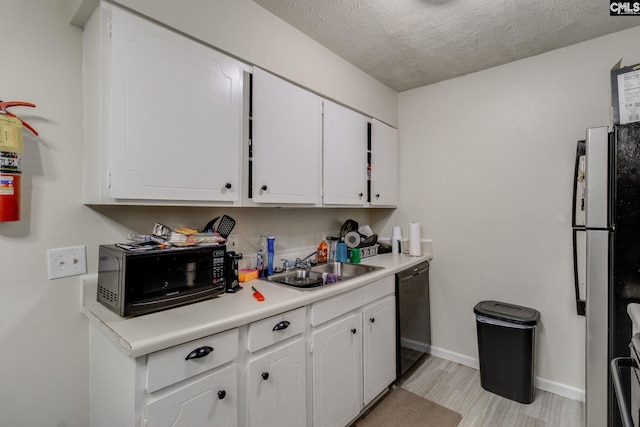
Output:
[[580, 268]]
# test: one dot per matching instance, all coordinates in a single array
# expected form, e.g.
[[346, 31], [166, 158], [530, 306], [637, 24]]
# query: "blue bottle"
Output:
[[270, 252]]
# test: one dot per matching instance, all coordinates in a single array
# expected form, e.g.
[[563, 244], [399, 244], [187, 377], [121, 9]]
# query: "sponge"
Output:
[[246, 274]]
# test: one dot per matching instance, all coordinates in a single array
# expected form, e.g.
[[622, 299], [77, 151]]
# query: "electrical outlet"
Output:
[[64, 262], [232, 242]]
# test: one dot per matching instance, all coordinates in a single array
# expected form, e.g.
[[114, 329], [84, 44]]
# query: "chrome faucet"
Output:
[[305, 263]]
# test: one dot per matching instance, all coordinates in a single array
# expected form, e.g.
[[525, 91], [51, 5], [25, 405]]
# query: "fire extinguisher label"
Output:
[[6, 185], [11, 134]]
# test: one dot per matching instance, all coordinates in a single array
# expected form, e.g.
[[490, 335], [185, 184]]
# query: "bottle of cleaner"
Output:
[[259, 263], [271, 253], [323, 250]]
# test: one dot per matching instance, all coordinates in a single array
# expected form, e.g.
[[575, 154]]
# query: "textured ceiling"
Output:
[[410, 43]]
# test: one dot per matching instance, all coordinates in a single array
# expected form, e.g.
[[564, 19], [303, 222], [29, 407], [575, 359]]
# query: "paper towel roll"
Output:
[[414, 239]]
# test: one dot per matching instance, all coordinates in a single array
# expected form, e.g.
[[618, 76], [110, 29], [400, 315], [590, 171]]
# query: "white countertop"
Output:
[[145, 334]]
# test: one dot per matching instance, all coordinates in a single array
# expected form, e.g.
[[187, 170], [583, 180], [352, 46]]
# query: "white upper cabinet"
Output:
[[344, 156], [163, 115], [384, 164], [286, 142]]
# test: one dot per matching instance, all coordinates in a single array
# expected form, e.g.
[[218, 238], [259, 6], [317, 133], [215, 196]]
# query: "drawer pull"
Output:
[[199, 352], [353, 331], [265, 376], [372, 320], [282, 325], [222, 394]]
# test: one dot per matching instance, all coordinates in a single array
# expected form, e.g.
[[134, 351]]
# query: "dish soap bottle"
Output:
[[323, 250]]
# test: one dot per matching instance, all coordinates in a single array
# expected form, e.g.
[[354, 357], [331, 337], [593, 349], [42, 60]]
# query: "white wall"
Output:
[[43, 336], [487, 164]]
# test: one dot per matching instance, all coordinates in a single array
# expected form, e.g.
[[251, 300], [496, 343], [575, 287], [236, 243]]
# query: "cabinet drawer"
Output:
[[169, 366], [333, 307], [274, 329]]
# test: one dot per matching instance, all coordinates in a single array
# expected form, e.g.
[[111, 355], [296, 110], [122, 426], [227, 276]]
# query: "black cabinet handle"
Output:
[[282, 325], [263, 188], [227, 185], [372, 320], [265, 376], [360, 194], [222, 394], [353, 331], [378, 195], [199, 352]]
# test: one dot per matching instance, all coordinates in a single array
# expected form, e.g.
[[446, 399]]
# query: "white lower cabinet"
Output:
[[354, 353], [276, 374], [276, 383], [191, 384], [209, 402], [379, 351], [318, 365], [337, 372]]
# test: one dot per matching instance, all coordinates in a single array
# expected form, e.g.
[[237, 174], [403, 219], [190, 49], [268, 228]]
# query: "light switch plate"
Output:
[[64, 262]]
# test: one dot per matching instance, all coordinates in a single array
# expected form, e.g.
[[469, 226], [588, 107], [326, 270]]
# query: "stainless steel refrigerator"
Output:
[[606, 240]]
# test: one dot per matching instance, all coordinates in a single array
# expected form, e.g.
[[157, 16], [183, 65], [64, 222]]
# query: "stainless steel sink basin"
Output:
[[298, 278], [344, 270], [312, 279]]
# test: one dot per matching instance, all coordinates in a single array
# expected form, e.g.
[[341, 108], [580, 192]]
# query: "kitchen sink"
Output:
[[312, 279], [344, 270]]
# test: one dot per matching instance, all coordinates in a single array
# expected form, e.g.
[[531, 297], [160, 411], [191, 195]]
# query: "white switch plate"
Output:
[[64, 262]]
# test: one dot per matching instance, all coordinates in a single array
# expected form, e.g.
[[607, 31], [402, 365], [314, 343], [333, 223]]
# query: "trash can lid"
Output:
[[507, 312]]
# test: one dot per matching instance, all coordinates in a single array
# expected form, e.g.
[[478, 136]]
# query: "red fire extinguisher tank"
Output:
[[11, 149], [10, 174]]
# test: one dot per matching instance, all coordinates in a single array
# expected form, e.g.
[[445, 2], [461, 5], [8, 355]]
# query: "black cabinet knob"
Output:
[[282, 325], [199, 352], [353, 331], [265, 376], [222, 394], [264, 188], [372, 320], [360, 194], [227, 185], [378, 195]]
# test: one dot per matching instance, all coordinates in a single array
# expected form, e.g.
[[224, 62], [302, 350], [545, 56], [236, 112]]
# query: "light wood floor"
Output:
[[457, 387]]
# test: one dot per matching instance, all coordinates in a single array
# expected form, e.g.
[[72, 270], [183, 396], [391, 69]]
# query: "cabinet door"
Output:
[[277, 392], [209, 402], [344, 156], [176, 115], [337, 372], [379, 355], [384, 164], [286, 141]]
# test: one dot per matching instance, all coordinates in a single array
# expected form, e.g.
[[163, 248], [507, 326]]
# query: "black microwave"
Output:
[[134, 283]]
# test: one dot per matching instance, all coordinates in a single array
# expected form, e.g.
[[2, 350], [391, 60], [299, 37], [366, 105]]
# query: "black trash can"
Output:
[[506, 348]]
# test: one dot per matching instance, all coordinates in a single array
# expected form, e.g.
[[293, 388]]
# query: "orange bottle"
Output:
[[323, 250]]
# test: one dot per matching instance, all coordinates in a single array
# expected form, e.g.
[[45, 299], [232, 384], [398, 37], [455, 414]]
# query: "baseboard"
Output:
[[541, 383]]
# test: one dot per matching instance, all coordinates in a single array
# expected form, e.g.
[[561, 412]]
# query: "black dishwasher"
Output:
[[413, 319]]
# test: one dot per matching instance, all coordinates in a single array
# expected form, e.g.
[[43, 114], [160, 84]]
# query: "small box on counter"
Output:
[[625, 93], [246, 274]]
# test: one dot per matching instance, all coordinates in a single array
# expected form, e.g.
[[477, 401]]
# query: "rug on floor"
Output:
[[403, 408]]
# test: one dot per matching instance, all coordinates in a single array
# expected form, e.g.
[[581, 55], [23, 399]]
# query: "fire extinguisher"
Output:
[[11, 149]]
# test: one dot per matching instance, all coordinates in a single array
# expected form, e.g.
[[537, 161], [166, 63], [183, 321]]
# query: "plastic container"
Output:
[[323, 251], [271, 253], [506, 348], [341, 252], [396, 240]]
